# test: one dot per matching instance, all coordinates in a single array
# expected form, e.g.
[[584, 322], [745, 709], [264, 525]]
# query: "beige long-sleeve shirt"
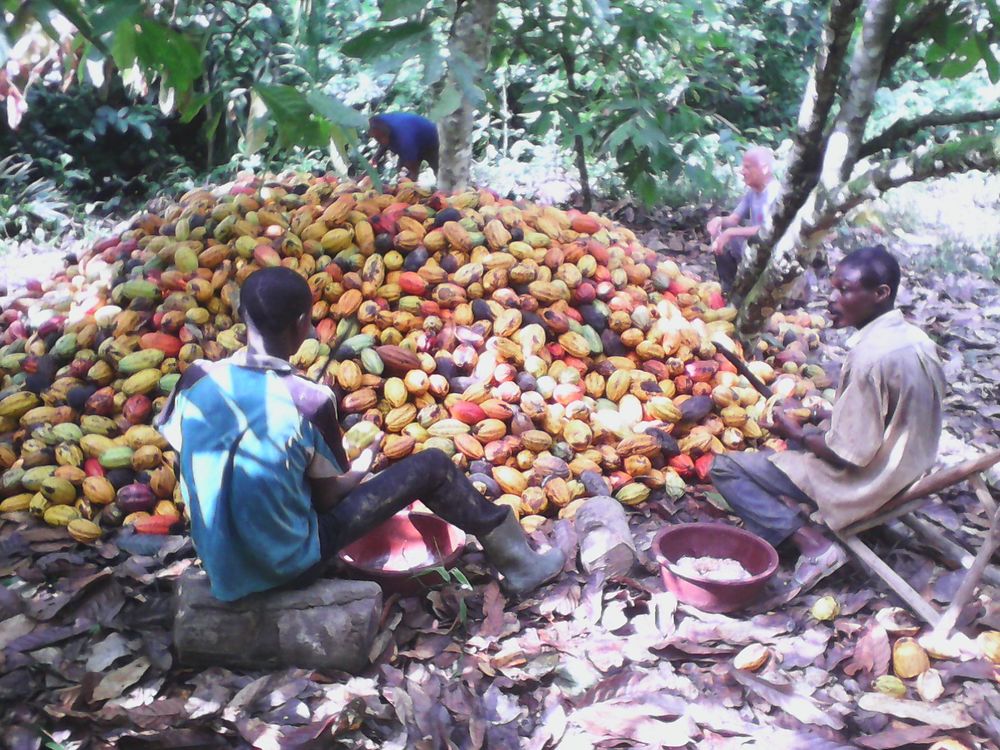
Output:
[[885, 425]]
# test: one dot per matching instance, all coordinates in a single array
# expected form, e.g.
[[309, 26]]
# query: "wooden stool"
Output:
[[911, 499]]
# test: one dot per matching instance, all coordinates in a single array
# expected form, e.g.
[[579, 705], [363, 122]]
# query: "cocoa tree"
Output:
[[836, 164], [469, 48]]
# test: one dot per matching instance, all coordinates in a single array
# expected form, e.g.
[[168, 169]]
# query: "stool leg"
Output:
[[968, 587], [905, 592]]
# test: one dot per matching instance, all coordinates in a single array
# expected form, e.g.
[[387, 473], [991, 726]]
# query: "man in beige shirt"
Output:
[[883, 433]]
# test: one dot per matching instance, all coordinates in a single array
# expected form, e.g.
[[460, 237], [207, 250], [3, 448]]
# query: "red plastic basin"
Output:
[[714, 540], [401, 553]]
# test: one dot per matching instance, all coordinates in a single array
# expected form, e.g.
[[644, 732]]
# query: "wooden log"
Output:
[[606, 542], [330, 625]]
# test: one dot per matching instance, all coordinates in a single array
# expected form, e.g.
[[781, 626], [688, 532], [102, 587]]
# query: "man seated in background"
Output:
[[412, 138], [729, 234], [883, 434]]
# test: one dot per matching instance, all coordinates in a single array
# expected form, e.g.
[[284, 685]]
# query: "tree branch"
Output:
[[807, 152], [902, 129], [980, 152], [910, 31], [844, 142]]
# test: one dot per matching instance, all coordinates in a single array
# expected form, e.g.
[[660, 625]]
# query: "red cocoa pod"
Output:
[[138, 409], [169, 345], [92, 468], [101, 402]]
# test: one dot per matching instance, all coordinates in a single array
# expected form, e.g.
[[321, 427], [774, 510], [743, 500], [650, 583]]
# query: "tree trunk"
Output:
[[469, 45], [785, 255], [807, 152]]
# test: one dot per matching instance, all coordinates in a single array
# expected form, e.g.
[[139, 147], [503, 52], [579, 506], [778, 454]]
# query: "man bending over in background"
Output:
[[414, 139]]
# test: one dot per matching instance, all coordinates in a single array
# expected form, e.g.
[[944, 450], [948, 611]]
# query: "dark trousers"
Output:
[[429, 476], [729, 262], [751, 485]]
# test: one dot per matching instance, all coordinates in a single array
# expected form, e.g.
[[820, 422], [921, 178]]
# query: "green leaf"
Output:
[[718, 501], [112, 13], [75, 15], [460, 577], [123, 45], [381, 40], [448, 102], [335, 110], [965, 59], [986, 52], [163, 50], [393, 9]]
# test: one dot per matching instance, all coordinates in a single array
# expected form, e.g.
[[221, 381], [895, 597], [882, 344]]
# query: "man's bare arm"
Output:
[[329, 491]]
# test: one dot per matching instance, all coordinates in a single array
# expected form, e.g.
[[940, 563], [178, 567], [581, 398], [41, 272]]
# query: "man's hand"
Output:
[[714, 226], [785, 426], [363, 463], [719, 245]]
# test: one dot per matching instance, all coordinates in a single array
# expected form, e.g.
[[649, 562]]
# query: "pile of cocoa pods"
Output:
[[547, 352]]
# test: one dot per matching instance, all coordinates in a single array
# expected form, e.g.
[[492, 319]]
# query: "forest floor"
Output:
[[86, 659]]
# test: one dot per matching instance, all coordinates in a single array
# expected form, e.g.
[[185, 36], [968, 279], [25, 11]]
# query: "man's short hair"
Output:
[[274, 299], [877, 266], [762, 155]]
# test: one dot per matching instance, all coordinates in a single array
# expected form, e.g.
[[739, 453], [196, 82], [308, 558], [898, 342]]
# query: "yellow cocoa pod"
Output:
[[558, 491], [395, 391], [578, 434], [83, 530], [399, 417], [638, 466], [890, 685], [662, 408], [575, 344], [398, 446], [989, 644], [825, 608], [60, 515], [536, 440], [510, 479], [142, 434], [534, 501], [632, 493], [642, 445], [131, 518], [734, 416], [58, 491], [359, 437], [349, 375], [469, 447], [98, 490], [448, 428], [618, 384], [147, 457], [16, 503], [143, 381], [909, 659], [489, 430]]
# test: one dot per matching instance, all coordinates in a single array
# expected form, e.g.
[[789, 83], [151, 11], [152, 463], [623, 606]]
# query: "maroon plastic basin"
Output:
[[714, 540], [400, 553]]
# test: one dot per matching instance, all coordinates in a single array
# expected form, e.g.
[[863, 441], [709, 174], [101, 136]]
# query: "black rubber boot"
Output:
[[523, 569]]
